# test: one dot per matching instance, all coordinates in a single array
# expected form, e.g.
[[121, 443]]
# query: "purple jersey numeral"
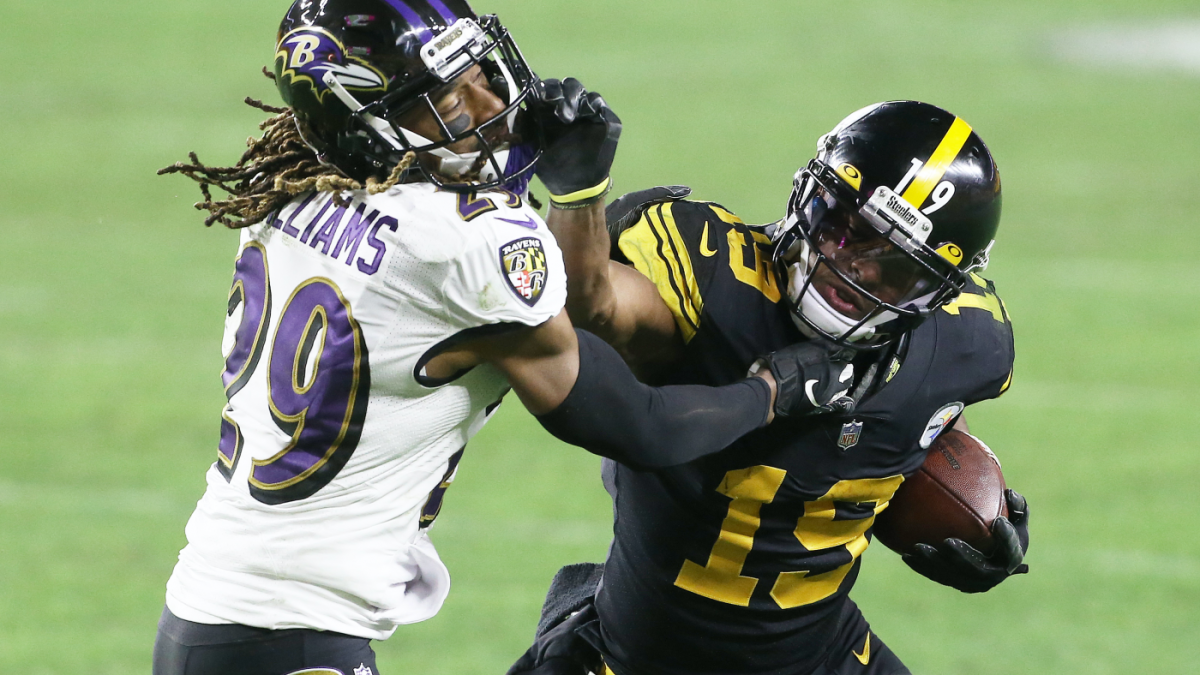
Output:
[[318, 386], [471, 207], [433, 505], [230, 449], [250, 290], [252, 293]]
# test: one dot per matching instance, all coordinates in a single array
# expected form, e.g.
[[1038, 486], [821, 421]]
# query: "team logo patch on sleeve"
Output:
[[938, 423], [524, 263]]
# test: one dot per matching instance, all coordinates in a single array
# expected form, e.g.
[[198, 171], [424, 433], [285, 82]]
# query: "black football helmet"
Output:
[[350, 68], [883, 226]]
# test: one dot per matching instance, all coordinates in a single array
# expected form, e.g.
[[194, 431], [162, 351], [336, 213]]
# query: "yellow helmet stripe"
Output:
[[945, 154]]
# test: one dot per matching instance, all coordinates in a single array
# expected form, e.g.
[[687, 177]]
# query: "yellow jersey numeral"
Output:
[[988, 302], [721, 577], [762, 275]]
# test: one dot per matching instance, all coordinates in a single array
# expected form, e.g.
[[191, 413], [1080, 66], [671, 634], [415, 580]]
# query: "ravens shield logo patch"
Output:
[[524, 263]]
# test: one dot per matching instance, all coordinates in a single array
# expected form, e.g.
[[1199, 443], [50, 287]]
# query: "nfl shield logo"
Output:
[[524, 263], [850, 433]]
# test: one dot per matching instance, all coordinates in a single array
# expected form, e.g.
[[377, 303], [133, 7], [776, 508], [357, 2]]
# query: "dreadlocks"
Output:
[[273, 170]]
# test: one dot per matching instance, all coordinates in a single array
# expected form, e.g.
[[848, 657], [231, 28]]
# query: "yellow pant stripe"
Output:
[[945, 154]]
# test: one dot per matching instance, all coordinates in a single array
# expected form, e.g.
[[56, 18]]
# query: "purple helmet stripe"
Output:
[[444, 11], [412, 18]]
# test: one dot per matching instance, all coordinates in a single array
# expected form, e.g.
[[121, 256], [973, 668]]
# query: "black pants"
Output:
[[856, 650], [569, 640], [186, 648]]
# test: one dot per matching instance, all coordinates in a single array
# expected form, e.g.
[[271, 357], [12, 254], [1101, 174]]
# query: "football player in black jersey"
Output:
[[741, 563]]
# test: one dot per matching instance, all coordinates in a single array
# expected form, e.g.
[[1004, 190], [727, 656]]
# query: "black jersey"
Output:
[[740, 563]]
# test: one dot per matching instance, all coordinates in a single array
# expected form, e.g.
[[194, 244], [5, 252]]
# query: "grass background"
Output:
[[111, 298]]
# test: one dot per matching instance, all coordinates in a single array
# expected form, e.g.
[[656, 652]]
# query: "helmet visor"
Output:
[[863, 269]]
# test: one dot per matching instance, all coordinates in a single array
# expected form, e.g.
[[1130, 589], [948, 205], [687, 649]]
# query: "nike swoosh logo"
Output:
[[865, 657], [528, 222], [808, 391], [704, 249]]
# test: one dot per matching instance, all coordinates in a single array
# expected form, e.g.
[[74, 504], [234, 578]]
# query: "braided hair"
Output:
[[273, 171]]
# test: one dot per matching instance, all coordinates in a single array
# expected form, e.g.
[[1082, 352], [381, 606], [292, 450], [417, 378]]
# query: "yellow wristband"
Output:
[[583, 195]]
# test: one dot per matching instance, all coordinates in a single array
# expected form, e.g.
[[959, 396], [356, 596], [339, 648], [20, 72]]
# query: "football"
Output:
[[957, 492]]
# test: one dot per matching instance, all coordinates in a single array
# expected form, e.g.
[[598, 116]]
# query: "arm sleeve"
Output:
[[611, 414]]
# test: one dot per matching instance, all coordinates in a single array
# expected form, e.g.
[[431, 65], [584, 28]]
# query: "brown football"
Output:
[[957, 492]]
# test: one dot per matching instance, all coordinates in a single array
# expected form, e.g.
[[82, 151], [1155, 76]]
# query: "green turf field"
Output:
[[111, 299]]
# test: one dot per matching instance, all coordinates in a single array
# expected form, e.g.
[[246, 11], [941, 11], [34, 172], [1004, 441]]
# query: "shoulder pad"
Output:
[[675, 244], [627, 209], [980, 336]]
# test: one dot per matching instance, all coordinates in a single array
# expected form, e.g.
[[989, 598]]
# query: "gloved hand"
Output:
[[958, 565], [811, 377], [581, 134]]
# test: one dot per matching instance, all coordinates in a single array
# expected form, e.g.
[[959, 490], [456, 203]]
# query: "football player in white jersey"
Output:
[[391, 285]]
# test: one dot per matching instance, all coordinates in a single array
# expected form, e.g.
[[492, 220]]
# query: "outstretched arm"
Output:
[[584, 394], [614, 301]]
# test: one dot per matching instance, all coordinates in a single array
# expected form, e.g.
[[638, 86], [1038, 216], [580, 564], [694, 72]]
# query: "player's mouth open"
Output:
[[843, 300]]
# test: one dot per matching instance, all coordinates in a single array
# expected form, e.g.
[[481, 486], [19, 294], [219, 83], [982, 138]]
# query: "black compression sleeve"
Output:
[[610, 413]]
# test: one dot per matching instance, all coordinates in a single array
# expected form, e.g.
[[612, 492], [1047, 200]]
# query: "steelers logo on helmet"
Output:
[[901, 202]]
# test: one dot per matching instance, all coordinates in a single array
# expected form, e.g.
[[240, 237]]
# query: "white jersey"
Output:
[[335, 448]]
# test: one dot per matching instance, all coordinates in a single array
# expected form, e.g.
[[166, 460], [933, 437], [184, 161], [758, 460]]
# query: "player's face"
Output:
[[866, 257], [463, 104]]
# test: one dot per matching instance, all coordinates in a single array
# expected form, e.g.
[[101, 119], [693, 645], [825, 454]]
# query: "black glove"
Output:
[[562, 650], [581, 134], [958, 565], [811, 377]]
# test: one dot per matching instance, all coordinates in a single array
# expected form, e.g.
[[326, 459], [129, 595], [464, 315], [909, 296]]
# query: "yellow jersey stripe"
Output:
[[945, 154], [725, 215], [690, 289], [645, 245]]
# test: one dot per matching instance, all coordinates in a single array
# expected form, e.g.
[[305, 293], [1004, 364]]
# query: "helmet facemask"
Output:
[[504, 159], [859, 276]]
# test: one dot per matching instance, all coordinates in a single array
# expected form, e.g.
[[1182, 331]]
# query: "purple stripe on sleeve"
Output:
[[412, 18], [444, 11]]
